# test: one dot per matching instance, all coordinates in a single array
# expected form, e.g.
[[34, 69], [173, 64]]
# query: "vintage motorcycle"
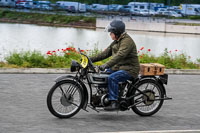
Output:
[[144, 95]]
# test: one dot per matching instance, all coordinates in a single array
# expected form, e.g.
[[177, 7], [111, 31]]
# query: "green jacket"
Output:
[[124, 55]]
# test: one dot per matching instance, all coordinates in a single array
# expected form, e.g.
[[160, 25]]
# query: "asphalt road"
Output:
[[23, 108]]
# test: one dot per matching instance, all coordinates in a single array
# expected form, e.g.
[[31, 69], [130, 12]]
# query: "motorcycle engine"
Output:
[[100, 98]]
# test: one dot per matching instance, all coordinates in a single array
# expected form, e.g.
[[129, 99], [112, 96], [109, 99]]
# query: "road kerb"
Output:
[[67, 70]]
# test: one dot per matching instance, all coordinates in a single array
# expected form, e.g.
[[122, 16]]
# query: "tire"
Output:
[[65, 99], [148, 107]]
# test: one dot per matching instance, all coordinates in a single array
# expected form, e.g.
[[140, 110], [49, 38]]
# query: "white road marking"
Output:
[[161, 131]]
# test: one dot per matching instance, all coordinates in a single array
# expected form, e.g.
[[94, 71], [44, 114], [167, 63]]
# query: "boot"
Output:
[[113, 106]]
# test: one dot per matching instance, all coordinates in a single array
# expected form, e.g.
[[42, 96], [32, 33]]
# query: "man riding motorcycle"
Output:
[[124, 63]]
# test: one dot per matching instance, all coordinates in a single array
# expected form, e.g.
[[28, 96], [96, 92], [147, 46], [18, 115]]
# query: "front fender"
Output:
[[64, 78], [85, 92]]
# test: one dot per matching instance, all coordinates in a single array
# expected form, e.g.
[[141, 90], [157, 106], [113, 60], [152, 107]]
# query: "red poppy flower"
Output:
[[141, 56], [68, 49], [68, 53], [149, 50], [49, 52], [176, 50], [142, 48], [58, 49], [82, 50], [170, 51], [53, 51], [138, 51]]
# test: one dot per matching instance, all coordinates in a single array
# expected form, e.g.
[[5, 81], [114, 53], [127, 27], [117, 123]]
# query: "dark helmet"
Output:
[[116, 26]]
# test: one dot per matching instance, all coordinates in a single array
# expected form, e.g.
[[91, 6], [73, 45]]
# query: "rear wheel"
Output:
[[151, 101], [65, 99]]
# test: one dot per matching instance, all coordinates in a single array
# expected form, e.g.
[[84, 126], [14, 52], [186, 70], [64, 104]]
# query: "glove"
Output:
[[103, 67]]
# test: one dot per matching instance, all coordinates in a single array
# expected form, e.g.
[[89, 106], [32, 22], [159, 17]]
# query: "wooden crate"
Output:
[[152, 69], [159, 69], [147, 69]]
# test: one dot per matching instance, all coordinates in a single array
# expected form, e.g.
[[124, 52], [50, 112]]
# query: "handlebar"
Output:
[[95, 69]]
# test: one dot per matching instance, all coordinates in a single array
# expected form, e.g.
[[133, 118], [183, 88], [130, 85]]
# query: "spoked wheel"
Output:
[[65, 99], [150, 101]]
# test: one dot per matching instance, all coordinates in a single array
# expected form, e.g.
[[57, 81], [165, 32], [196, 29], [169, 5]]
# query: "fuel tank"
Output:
[[96, 78]]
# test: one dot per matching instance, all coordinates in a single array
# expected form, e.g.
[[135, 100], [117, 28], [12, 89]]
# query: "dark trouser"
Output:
[[113, 81]]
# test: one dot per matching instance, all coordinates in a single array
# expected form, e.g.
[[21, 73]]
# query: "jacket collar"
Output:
[[121, 36]]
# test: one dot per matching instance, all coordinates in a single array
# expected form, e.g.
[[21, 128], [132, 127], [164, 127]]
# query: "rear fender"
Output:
[[161, 80], [162, 85], [85, 92]]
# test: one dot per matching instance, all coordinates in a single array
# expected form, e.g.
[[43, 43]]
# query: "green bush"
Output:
[[198, 61], [4, 12], [27, 59], [187, 24], [169, 59], [194, 17], [89, 19], [15, 58], [61, 58], [1, 15]]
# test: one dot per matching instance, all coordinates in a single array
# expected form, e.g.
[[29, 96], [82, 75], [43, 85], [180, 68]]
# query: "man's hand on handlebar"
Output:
[[103, 67]]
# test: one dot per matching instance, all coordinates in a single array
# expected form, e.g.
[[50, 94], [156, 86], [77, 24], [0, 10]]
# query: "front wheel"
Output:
[[148, 99], [65, 99]]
